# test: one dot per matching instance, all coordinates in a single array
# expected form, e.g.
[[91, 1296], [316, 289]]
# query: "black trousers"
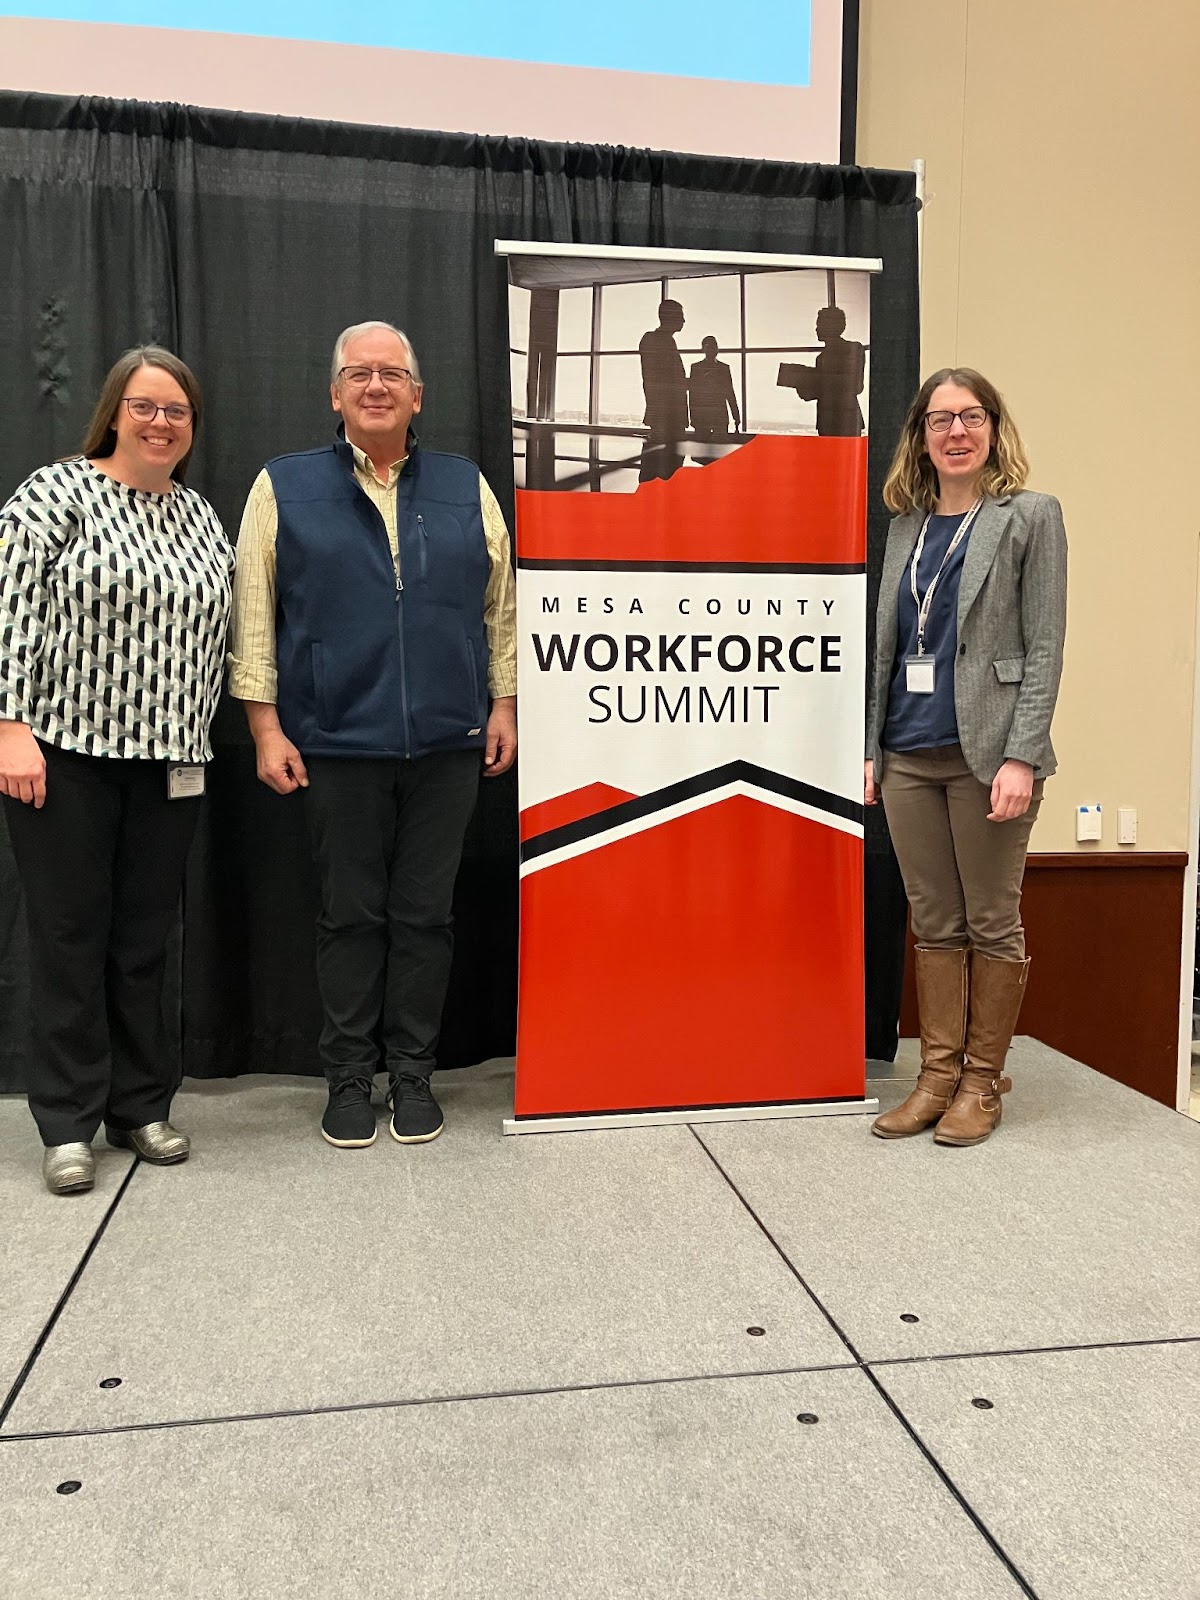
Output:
[[387, 837], [101, 865]]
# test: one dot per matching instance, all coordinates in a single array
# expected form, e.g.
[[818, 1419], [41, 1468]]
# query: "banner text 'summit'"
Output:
[[692, 703]]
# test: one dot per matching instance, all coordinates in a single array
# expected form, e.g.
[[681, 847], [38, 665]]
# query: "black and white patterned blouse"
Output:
[[113, 608]]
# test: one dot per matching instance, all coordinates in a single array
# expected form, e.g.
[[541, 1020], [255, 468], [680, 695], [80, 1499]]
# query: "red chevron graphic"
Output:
[[571, 807], [715, 959]]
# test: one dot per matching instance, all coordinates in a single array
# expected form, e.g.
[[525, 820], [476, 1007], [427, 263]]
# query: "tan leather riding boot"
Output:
[[942, 1006], [997, 990]]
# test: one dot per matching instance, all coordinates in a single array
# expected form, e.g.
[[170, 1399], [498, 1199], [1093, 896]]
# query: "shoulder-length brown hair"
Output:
[[100, 440], [912, 483]]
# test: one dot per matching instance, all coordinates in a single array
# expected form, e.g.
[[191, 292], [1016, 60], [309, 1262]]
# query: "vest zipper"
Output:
[[400, 619], [403, 669]]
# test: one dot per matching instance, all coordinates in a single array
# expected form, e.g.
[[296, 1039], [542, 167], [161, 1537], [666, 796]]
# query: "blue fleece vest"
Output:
[[371, 665]]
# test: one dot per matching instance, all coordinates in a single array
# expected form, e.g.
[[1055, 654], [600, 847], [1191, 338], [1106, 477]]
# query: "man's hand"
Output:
[[280, 764], [501, 737], [22, 765], [1012, 790], [870, 797]]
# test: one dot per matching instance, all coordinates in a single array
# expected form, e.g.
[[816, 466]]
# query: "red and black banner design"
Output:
[[691, 687]]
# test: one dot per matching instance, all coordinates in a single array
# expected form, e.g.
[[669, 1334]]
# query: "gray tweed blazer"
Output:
[[1012, 619]]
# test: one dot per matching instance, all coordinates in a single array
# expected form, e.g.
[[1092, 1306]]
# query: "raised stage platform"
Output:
[[760, 1359]]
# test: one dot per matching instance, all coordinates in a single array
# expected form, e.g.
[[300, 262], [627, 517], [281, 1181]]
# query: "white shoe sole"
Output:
[[413, 1138], [350, 1144]]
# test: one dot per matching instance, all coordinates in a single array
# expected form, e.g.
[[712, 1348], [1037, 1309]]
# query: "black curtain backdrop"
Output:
[[246, 243]]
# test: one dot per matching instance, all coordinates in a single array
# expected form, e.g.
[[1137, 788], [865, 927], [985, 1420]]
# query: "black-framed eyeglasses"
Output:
[[360, 377], [973, 418], [142, 410]]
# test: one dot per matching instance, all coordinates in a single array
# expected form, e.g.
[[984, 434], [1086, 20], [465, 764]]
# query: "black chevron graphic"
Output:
[[645, 805]]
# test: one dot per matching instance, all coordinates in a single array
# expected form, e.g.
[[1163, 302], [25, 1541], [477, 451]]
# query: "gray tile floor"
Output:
[[508, 1367]]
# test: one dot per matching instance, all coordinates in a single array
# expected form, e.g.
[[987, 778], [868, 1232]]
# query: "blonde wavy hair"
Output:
[[912, 483]]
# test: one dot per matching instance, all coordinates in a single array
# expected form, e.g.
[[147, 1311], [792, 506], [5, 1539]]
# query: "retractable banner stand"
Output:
[[689, 433]]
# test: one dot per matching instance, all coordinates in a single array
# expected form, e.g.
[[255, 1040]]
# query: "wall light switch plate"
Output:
[[1088, 821], [1126, 824]]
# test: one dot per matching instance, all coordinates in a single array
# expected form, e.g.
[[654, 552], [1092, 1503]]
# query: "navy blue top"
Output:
[[370, 666], [924, 721]]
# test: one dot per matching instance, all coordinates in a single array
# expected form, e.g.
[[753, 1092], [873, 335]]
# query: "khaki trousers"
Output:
[[961, 872]]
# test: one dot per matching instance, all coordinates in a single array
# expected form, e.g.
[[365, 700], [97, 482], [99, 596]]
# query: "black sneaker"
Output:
[[349, 1121], [416, 1115]]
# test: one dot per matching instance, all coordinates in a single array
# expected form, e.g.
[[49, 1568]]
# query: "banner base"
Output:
[[666, 1118]]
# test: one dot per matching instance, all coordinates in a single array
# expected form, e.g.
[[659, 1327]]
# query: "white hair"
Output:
[[344, 338]]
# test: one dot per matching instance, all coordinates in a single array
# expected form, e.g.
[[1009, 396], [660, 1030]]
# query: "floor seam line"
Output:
[[354, 1407], [779, 1250], [22, 1377], [941, 1473], [1036, 1350], [960, 1498]]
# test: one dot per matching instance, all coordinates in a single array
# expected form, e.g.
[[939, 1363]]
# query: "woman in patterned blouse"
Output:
[[114, 596]]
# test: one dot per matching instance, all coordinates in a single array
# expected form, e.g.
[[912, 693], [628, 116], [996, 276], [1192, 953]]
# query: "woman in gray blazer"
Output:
[[968, 654]]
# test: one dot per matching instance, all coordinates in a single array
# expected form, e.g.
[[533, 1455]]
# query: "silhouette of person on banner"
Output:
[[711, 397], [834, 381], [665, 385]]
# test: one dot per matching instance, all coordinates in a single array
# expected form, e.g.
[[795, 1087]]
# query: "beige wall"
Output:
[[1062, 258]]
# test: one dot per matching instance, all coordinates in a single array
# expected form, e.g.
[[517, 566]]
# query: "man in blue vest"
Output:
[[374, 619]]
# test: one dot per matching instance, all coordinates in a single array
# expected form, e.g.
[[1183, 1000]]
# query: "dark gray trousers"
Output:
[[101, 865], [387, 837]]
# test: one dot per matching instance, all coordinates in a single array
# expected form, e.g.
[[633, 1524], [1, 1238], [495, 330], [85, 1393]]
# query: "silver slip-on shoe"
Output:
[[68, 1168], [158, 1142]]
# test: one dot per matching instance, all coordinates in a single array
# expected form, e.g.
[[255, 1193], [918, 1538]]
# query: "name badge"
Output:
[[185, 782], [918, 674]]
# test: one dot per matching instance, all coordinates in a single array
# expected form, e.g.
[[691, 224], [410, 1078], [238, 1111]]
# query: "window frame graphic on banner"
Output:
[[691, 555]]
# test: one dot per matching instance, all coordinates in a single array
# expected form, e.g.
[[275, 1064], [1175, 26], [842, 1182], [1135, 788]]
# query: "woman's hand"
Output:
[[1012, 790], [22, 765], [870, 796]]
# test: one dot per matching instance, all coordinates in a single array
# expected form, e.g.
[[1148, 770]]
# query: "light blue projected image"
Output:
[[763, 42]]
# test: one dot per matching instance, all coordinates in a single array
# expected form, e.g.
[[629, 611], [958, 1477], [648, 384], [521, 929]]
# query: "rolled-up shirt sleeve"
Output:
[[252, 671], [500, 598]]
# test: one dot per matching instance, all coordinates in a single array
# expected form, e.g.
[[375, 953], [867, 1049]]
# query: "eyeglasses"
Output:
[[360, 377], [177, 414], [942, 421]]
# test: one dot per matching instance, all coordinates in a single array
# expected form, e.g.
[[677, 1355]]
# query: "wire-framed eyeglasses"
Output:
[[360, 377], [143, 410], [973, 417]]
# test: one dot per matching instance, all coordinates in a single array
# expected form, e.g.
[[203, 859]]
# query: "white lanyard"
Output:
[[923, 605]]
